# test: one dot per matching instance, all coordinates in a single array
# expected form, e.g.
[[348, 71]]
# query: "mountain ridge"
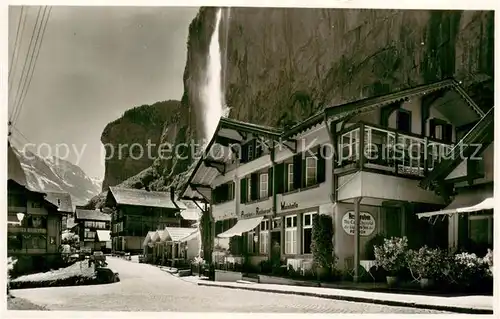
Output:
[[57, 175]]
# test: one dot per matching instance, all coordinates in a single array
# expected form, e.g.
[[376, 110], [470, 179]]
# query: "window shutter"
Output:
[[285, 178], [321, 173], [297, 171], [447, 133], [279, 180], [254, 180], [432, 128], [243, 190], [303, 172], [270, 182], [244, 153]]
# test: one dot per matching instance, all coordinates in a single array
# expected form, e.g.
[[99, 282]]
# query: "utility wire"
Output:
[[24, 66], [23, 97], [21, 133], [19, 36]]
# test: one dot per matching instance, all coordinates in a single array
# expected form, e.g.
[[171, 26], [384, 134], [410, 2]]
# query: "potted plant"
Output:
[[322, 245], [391, 257], [426, 263]]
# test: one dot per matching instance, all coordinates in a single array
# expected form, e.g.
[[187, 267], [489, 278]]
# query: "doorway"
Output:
[[276, 247]]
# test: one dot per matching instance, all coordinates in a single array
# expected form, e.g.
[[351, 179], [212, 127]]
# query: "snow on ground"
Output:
[[77, 269]]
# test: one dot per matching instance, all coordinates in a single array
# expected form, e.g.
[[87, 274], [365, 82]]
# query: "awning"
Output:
[[242, 226], [488, 203], [103, 235], [465, 202]]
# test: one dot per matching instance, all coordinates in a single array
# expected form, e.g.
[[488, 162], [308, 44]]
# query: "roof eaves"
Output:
[[200, 160], [249, 128], [364, 105]]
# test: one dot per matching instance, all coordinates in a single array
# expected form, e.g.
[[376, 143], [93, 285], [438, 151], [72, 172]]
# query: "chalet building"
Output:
[[33, 222], [65, 204], [93, 229], [361, 163], [135, 212]]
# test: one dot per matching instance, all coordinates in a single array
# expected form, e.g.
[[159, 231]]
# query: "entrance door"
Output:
[[275, 247]]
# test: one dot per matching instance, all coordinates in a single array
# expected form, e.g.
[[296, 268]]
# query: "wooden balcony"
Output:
[[371, 147]]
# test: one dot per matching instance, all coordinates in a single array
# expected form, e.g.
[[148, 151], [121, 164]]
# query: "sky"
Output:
[[94, 63]]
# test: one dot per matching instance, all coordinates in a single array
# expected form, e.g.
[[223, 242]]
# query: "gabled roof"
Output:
[[61, 200], [364, 105], [189, 211], [176, 234], [87, 214], [481, 134], [140, 197]]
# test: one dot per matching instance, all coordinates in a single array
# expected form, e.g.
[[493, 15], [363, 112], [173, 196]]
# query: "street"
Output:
[[147, 288]]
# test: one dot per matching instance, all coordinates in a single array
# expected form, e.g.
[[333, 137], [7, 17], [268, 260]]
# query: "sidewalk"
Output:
[[465, 304]]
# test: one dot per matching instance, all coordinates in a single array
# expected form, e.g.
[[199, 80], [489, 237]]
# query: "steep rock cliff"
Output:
[[125, 138], [285, 64]]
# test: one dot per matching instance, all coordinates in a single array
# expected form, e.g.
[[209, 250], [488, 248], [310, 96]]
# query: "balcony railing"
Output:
[[370, 146]]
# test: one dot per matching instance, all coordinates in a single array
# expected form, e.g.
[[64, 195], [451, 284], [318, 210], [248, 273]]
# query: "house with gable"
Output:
[[362, 163]]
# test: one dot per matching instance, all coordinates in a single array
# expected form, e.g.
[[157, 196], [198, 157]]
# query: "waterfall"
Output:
[[213, 97], [212, 92]]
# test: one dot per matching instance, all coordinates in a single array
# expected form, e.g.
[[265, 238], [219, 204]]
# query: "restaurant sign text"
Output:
[[366, 223], [258, 212]]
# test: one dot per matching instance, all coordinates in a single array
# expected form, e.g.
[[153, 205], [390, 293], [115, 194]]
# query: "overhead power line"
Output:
[[19, 36], [32, 55], [23, 96], [24, 66]]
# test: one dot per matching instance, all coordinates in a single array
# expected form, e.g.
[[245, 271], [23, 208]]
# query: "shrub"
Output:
[[392, 254], [322, 245], [467, 269], [488, 260], [426, 262]]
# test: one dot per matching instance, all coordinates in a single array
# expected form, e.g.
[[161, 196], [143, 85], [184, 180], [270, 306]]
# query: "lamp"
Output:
[[20, 217]]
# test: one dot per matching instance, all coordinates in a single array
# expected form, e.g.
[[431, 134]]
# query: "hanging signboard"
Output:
[[366, 223]]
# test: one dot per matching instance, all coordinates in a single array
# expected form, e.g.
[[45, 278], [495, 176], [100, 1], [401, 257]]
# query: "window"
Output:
[[441, 130], [89, 234], [307, 223], [250, 242], [481, 229], [249, 190], [264, 237], [263, 189], [289, 187], [311, 171], [291, 235], [350, 148], [276, 223], [38, 242], [403, 121]]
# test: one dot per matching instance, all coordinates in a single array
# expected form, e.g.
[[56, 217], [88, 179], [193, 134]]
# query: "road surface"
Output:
[[147, 288]]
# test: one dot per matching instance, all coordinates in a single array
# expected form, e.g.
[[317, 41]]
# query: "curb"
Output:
[[455, 309]]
